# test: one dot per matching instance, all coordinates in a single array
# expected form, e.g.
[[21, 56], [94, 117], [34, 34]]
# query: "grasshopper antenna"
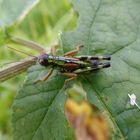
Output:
[[21, 51]]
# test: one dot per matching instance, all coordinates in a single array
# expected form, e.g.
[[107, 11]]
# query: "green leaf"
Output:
[[11, 10], [111, 27], [104, 27], [38, 110]]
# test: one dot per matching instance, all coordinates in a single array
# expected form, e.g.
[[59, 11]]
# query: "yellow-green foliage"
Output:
[[42, 25]]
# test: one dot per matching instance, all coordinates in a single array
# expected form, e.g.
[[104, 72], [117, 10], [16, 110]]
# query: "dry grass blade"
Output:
[[16, 68], [28, 44]]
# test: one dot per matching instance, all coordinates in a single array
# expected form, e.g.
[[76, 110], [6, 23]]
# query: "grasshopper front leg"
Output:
[[54, 48], [45, 78], [74, 52]]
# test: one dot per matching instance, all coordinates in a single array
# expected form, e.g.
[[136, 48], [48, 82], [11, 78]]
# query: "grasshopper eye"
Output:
[[43, 59]]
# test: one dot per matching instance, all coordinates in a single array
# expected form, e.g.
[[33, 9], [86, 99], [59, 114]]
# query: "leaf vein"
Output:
[[105, 107], [92, 22], [44, 115]]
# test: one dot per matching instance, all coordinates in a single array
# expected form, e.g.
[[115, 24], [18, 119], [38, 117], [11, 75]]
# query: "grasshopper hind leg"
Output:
[[96, 66], [87, 58]]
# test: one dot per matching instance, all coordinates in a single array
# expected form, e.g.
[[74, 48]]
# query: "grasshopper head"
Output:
[[43, 59]]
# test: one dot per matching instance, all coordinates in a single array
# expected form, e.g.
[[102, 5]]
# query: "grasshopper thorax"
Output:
[[43, 59]]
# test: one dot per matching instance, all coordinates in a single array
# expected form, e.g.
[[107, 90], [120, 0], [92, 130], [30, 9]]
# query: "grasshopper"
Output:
[[69, 64]]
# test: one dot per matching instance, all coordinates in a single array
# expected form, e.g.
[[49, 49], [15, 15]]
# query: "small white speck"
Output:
[[133, 100]]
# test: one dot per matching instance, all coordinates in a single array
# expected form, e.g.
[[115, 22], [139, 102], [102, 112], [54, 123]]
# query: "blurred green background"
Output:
[[43, 25]]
